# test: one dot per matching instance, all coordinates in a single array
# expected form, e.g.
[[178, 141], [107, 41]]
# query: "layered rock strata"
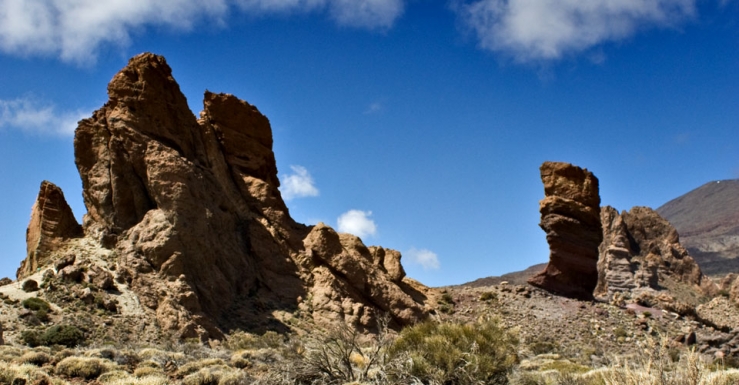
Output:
[[570, 216], [191, 208], [52, 223], [639, 250]]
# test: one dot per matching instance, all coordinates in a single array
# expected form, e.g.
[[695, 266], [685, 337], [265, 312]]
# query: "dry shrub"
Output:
[[145, 371], [241, 340], [192, 367], [342, 356], [9, 353], [449, 353], [240, 359], [24, 373], [35, 358], [84, 367], [218, 375]]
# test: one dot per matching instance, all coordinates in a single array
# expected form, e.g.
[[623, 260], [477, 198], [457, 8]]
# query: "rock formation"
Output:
[[191, 208], [640, 250], [570, 215], [52, 222], [597, 251]]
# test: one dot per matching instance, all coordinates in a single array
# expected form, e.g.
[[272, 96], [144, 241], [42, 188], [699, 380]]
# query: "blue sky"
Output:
[[418, 125]]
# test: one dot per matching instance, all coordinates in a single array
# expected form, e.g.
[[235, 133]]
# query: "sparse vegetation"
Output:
[[448, 353], [65, 335]]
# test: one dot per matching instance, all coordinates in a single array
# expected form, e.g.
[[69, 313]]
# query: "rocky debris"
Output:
[[191, 211], [639, 250], [65, 261], [720, 312], [570, 215], [72, 273], [5, 281], [718, 344], [52, 222]]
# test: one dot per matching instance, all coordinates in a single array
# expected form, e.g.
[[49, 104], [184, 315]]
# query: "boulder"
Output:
[[570, 216], [52, 222]]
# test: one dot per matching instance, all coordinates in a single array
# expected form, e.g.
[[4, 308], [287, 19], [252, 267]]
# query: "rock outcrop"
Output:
[[570, 215], [191, 208], [597, 251], [640, 250], [52, 222]]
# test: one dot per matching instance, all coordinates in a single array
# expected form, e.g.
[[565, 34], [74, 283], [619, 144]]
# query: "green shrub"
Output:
[[35, 304], [489, 296], [449, 353], [31, 338], [66, 335]]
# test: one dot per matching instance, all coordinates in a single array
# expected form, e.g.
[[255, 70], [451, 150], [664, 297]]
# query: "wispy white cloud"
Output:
[[35, 116], [299, 184], [357, 222], [426, 258], [76, 29], [532, 30]]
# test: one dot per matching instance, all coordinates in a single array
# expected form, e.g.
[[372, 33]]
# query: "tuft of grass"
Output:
[[35, 358], [87, 368], [483, 352]]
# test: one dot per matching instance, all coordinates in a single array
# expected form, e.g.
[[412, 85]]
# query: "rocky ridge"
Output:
[[187, 213]]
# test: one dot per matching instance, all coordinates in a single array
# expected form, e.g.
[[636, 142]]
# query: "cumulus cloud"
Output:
[[550, 29], [357, 222], [76, 29], [34, 116], [299, 184], [426, 258]]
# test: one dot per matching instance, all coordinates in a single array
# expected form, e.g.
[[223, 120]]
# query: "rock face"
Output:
[[192, 209], [52, 222], [570, 215], [640, 250]]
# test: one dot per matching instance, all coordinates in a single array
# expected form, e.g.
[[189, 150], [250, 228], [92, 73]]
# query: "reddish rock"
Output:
[[570, 216], [192, 209], [52, 222]]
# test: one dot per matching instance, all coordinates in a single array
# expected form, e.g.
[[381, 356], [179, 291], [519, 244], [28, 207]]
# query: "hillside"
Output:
[[707, 219]]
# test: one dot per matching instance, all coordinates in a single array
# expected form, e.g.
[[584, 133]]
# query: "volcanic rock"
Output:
[[641, 250], [191, 210], [52, 222], [570, 215]]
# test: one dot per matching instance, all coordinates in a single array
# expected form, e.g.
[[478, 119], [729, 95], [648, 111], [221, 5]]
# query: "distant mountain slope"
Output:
[[707, 219], [514, 278]]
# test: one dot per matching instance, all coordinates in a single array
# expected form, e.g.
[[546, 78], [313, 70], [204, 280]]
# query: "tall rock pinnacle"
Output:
[[570, 215]]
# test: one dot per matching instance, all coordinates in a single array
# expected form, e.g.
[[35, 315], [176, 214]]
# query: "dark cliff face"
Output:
[[191, 208], [570, 216]]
